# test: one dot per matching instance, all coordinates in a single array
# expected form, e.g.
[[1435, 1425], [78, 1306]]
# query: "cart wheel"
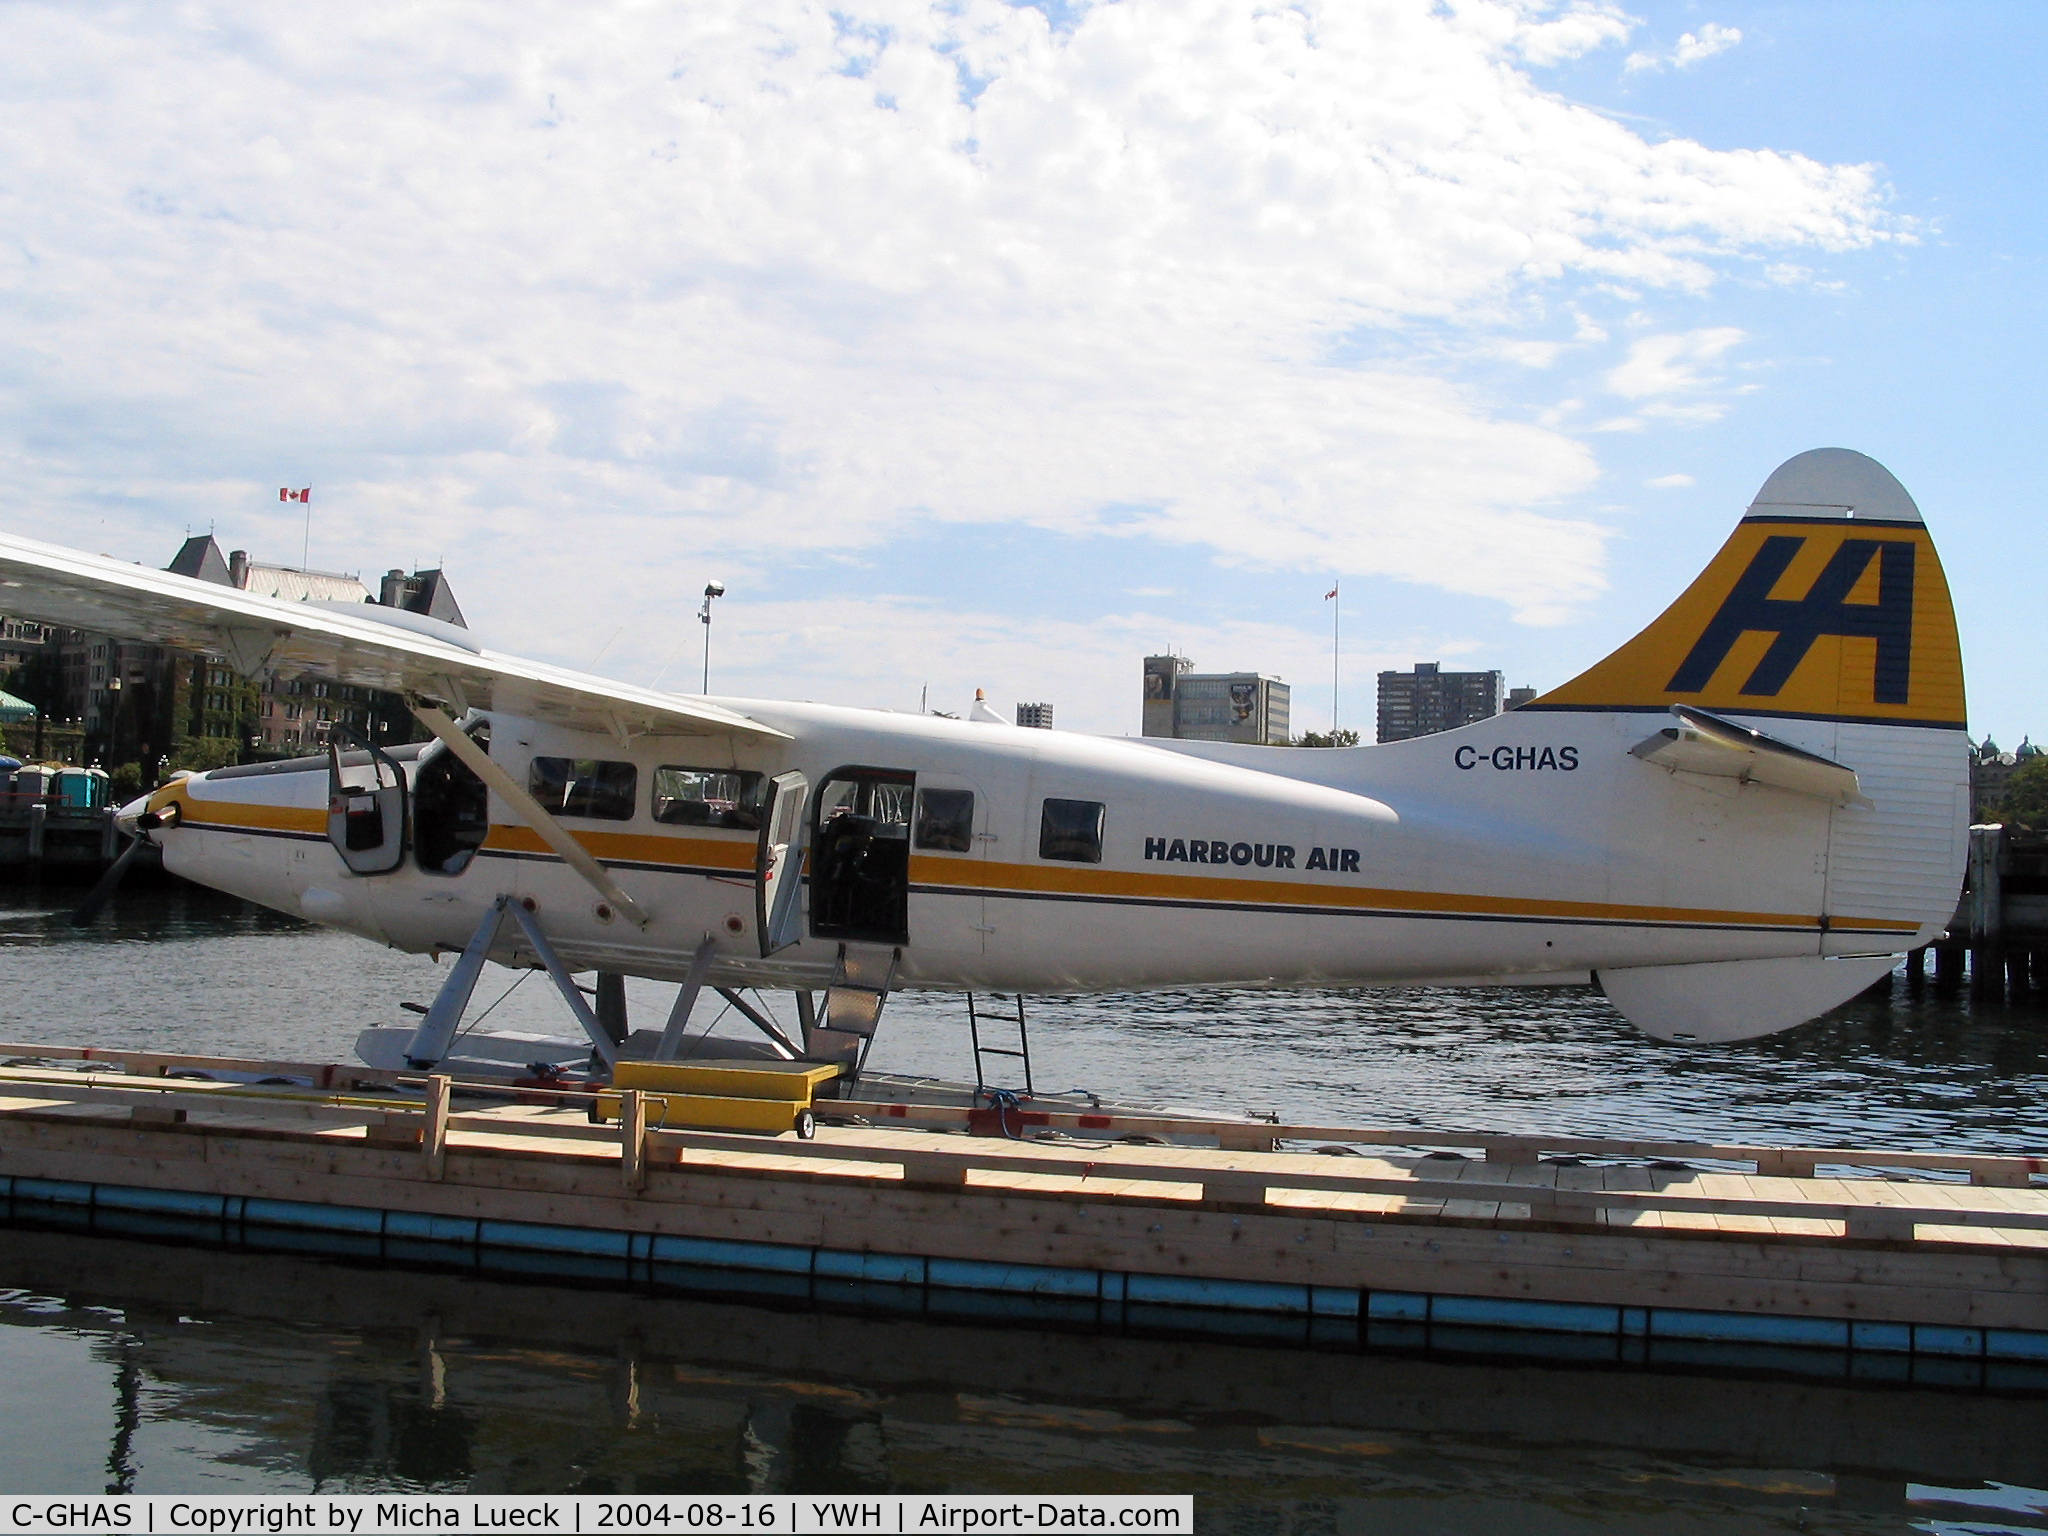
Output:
[[806, 1125]]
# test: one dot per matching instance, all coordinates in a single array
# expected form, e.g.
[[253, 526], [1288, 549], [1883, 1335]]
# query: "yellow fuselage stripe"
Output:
[[964, 876]]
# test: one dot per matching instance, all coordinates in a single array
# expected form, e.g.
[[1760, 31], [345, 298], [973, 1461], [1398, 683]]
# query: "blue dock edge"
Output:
[[2009, 1359]]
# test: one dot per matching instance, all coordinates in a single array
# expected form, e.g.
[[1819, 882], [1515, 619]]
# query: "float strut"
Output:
[[431, 1040], [686, 1001], [761, 1021], [611, 1005], [543, 951]]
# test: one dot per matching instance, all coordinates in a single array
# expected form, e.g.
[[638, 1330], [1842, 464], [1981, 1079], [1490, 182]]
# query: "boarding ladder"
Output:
[[1022, 1052], [861, 983]]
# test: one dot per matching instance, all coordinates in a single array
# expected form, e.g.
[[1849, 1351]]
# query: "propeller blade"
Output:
[[102, 893]]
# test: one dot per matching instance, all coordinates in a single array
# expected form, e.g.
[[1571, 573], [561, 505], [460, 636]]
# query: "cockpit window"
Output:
[[1071, 830], [584, 786], [709, 797]]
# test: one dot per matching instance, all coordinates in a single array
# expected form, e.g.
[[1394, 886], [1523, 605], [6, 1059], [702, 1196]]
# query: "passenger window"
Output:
[[709, 797], [1071, 830], [945, 819], [584, 786]]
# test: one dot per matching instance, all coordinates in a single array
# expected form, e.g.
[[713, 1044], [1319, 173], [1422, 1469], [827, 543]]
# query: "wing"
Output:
[[362, 644]]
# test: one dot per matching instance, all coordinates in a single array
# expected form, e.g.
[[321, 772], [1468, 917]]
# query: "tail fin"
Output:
[[1826, 603], [1827, 614]]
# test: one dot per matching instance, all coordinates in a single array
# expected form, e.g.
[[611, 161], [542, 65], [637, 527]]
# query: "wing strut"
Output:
[[528, 809]]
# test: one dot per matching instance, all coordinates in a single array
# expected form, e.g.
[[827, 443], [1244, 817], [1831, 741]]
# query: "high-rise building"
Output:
[[1517, 697], [1037, 717], [1429, 699], [21, 641], [1214, 706], [1161, 673]]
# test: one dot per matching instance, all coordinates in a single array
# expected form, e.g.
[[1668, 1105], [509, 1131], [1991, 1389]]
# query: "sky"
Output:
[[998, 345]]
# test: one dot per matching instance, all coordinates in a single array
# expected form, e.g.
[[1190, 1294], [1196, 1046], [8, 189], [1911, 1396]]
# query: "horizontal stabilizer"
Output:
[[1707, 744], [1726, 1000]]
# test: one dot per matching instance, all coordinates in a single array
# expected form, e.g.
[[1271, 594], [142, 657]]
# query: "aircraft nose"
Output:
[[129, 818]]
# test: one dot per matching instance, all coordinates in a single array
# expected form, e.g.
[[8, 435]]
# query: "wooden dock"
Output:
[[46, 836], [1892, 1265], [2000, 928]]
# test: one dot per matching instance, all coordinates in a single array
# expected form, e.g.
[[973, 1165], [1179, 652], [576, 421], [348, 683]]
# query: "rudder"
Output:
[[1827, 602], [1825, 617]]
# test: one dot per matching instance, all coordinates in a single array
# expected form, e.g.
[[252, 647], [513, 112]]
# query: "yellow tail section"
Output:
[[1827, 602]]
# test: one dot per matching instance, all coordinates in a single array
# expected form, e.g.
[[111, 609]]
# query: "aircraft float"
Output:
[[1735, 822]]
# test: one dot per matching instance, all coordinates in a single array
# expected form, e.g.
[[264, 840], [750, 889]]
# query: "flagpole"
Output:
[[1336, 623]]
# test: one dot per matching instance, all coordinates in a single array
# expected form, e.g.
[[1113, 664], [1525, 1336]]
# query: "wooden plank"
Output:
[[1463, 1173], [633, 1139], [1511, 1147]]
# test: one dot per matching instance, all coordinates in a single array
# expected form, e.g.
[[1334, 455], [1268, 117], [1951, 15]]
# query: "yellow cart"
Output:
[[766, 1097]]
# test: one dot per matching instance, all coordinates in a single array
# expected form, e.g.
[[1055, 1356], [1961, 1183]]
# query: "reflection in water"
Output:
[[187, 970], [370, 1433], [127, 1418], [270, 1374]]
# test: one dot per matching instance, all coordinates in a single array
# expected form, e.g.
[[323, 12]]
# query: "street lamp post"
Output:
[[711, 590]]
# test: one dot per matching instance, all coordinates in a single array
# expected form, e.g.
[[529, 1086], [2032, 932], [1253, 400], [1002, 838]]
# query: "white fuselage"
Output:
[[1528, 848]]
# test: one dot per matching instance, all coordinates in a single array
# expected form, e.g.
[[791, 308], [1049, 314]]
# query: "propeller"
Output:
[[110, 882], [137, 827]]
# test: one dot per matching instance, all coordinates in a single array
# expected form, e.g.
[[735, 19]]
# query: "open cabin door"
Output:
[[366, 810], [860, 855], [779, 863]]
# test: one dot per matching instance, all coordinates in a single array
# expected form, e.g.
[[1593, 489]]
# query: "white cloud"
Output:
[[1543, 33], [1671, 364], [1671, 482], [584, 297], [1704, 44], [1693, 47]]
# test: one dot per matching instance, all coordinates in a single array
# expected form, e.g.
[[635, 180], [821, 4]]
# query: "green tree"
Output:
[[2026, 796], [39, 680], [199, 753], [1343, 737]]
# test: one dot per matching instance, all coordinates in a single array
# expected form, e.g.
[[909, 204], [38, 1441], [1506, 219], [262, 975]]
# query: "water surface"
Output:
[[155, 1369], [196, 972]]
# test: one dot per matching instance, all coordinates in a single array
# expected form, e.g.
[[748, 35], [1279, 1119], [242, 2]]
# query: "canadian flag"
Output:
[[285, 495]]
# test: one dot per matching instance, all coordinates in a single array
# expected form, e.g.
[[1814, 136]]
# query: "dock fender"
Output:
[[1725, 1000]]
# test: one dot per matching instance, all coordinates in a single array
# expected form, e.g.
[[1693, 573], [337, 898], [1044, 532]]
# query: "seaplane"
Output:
[[1735, 822]]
